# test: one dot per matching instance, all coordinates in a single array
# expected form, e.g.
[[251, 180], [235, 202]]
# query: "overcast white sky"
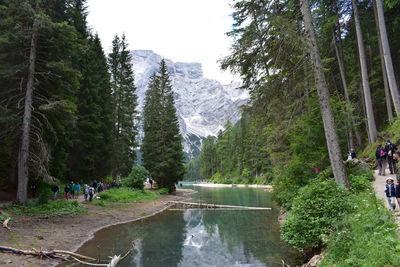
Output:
[[180, 30]]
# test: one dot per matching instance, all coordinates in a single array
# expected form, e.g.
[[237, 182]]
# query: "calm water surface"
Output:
[[201, 237]]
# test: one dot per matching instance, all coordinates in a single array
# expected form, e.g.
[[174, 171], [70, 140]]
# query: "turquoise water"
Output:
[[201, 237]]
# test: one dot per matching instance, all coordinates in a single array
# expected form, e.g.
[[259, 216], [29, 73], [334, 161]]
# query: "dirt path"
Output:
[[70, 232], [379, 187]]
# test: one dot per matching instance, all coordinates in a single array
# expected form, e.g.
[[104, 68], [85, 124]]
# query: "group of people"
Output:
[[387, 156], [72, 190]]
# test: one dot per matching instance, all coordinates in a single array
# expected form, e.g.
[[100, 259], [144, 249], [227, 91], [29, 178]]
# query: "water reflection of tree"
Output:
[[162, 243], [257, 232]]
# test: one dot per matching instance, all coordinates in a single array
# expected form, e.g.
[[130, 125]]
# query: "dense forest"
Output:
[[323, 79], [68, 110], [282, 125]]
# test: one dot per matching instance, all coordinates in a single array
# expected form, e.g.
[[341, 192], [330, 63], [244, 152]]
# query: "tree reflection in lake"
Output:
[[201, 237]]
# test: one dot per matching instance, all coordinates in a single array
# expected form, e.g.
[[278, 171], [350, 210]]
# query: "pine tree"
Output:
[[162, 143], [36, 56], [91, 151], [125, 104]]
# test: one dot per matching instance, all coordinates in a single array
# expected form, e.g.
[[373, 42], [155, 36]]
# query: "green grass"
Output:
[[366, 237], [52, 208], [163, 191], [124, 195], [3, 218]]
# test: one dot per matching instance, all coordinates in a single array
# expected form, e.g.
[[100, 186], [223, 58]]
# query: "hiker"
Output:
[[86, 192], [390, 191], [54, 190], [66, 191], [77, 190], [91, 193], [100, 188], [94, 185], [119, 182], [151, 183], [380, 155], [72, 190], [33, 188], [390, 149], [352, 153]]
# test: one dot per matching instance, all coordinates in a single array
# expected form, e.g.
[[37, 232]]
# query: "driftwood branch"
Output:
[[114, 260], [44, 253], [5, 223], [60, 254]]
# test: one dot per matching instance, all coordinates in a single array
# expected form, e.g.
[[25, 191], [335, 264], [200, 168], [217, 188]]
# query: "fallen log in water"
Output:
[[213, 206], [43, 253], [60, 254]]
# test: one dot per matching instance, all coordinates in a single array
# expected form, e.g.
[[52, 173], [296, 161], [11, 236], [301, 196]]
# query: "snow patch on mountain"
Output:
[[203, 105]]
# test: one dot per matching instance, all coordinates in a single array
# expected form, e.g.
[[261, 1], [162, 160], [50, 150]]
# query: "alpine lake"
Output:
[[200, 237]]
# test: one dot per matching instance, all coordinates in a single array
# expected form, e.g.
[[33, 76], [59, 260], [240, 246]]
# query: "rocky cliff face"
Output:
[[203, 105]]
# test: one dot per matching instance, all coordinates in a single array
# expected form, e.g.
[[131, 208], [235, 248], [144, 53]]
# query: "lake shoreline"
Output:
[[234, 185], [72, 231]]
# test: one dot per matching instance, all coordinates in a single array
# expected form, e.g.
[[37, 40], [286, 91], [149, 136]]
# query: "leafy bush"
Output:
[[52, 208], [246, 174], [288, 181], [44, 192], [163, 191], [314, 211], [3, 218], [365, 237], [359, 179], [125, 195], [137, 177]]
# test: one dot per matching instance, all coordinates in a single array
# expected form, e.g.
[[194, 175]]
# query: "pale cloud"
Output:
[[181, 30]]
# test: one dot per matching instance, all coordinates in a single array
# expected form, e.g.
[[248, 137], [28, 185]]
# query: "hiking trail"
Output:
[[379, 187]]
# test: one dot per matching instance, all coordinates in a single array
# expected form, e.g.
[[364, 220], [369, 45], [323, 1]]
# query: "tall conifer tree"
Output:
[[125, 103], [162, 143]]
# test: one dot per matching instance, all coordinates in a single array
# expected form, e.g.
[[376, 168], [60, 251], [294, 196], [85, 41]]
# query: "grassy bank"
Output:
[[125, 195], [366, 236], [351, 226], [52, 208]]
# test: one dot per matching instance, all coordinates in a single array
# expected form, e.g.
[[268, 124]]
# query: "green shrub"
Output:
[[52, 208], [314, 211], [125, 195], [163, 191], [288, 181], [365, 237], [44, 192], [3, 218], [246, 174], [137, 177]]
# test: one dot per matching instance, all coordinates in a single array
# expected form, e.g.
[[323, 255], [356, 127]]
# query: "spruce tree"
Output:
[[91, 151], [37, 73], [162, 143], [124, 103]]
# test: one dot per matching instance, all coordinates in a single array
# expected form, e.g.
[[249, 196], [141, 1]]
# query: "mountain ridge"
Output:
[[203, 105]]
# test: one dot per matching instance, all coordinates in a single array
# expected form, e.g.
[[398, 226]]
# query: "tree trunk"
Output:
[[23, 158], [387, 57], [332, 140], [385, 80], [364, 76], [350, 122]]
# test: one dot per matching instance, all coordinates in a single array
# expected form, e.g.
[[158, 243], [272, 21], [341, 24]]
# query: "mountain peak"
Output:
[[203, 105]]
